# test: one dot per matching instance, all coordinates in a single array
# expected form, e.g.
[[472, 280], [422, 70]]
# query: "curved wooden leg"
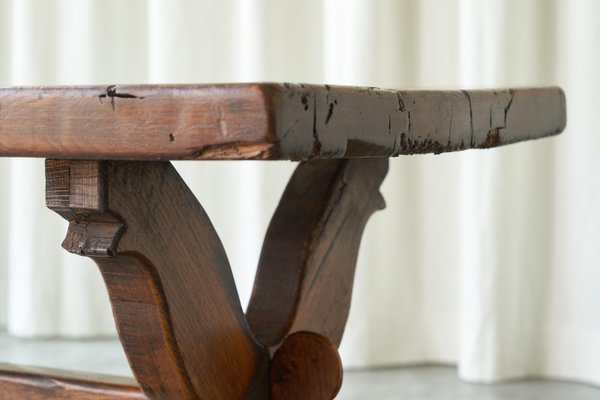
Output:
[[173, 295], [306, 268]]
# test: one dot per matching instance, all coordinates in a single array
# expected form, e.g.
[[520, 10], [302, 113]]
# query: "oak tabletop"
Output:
[[267, 121]]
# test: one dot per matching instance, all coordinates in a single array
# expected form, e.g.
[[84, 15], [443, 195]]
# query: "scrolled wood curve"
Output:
[[173, 296], [306, 268], [306, 366], [174, 300]]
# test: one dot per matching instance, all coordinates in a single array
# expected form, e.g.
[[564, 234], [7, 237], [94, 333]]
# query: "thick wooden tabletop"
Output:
[[267, 121]]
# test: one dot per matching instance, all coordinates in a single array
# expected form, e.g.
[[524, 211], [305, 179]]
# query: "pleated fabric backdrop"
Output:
[[484, 259]]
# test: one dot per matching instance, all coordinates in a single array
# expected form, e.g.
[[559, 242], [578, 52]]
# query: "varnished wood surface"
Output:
[[173, 295], [174, 299], [33, 383], [306, 268], [267, 121], [306, 366]]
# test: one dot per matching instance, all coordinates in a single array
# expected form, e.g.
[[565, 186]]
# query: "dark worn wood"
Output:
[[171, 288], [306, 268], [33, 383], [267, 121], [173, 296], [306, 366]]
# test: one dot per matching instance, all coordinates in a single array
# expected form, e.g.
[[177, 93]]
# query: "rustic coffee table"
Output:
[[174, 300]]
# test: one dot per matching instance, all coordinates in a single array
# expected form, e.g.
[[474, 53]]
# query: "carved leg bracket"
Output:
[[174, 299]]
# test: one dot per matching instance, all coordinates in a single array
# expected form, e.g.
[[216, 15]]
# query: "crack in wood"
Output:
[[472, 128], [111, 92]]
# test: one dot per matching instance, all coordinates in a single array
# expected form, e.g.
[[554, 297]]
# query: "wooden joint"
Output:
[[92, 238], [174, 299], [173, 295], [77, 190], [306, 366]]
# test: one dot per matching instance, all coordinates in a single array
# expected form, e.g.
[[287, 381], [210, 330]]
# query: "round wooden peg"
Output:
[[306, 366]]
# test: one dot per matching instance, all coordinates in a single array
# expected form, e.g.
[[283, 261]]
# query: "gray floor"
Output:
[[441, 383], [410, 383]]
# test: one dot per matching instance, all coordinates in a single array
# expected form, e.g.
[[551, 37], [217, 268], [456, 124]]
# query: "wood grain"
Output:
[[306, 268], [33, 383], [267, 121], [173, 296], [306, 366]]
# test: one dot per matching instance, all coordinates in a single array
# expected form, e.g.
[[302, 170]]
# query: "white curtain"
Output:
[[484, 259]]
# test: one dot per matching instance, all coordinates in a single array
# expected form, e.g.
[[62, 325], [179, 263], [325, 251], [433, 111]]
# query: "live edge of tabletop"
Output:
[[267, 121], [174, 299]]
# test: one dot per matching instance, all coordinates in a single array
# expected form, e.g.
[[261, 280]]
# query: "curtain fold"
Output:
[[484, 259]]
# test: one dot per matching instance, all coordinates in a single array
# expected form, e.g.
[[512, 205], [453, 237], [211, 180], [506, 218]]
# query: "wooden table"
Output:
[[174, 299]]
